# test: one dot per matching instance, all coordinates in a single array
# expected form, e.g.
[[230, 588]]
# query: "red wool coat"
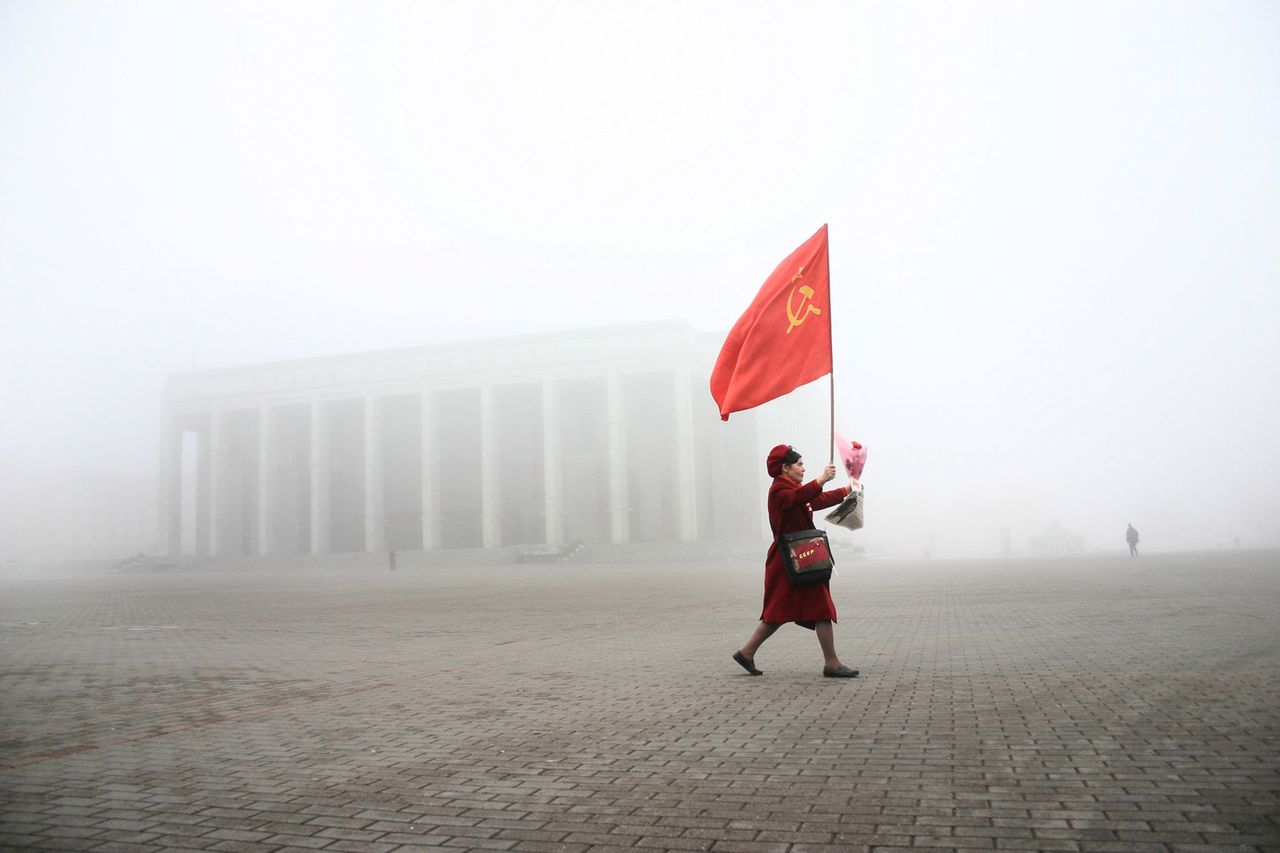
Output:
[[791, 508]]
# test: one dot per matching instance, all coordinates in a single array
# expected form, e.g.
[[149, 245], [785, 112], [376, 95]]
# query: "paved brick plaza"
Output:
[[1076, 704]]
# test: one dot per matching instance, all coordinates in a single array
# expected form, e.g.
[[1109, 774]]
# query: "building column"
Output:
[[171, 486], [686, 497], [204, 460], [619, 515], [552, 465], [375, 524], [319, 478], [215, 482], [266, 479], [430, 476], [490, 524]]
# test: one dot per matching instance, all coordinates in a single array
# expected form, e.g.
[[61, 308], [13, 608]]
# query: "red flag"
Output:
[[784, 339]]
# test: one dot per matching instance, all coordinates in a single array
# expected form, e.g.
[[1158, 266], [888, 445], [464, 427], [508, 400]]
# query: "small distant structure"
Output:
[[550, 553], [1056, 539]]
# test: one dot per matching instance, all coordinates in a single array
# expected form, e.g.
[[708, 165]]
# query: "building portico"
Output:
[[599, 436]]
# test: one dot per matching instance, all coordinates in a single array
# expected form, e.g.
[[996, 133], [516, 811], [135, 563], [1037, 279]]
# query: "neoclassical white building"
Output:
[[602, 435]]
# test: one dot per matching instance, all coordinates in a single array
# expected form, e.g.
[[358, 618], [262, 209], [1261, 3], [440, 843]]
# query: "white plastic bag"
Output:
[[849, 514]]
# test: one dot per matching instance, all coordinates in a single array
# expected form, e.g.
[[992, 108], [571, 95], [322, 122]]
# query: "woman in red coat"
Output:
[[791, 506]]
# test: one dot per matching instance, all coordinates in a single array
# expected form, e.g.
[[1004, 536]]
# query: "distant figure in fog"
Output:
[[391, 560], [1131, 536]]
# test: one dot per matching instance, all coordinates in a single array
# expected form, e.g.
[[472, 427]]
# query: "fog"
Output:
[[1053, 226]]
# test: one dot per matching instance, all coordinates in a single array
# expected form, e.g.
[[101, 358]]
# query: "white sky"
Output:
[[1053, 225]]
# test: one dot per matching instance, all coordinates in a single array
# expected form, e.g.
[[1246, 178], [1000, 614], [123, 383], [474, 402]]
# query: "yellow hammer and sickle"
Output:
[[806, 293]]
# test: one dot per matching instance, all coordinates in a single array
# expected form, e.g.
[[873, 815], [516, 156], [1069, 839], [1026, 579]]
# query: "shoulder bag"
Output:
[[807, 556]]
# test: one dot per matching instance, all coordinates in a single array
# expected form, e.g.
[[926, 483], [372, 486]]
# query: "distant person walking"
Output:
[[391, 560], [1131, 536], [791, 505]]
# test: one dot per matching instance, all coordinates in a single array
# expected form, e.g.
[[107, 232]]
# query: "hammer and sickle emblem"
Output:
[[798, 315]]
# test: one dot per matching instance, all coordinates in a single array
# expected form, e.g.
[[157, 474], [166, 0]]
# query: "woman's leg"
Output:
[[762, 632], [827, 639]]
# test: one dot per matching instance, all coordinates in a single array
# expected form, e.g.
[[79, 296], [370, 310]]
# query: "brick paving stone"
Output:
[[480, 843], [362, 846], [288, 839], [19, 827], [1241, 840], [523, 835], [76, 821], [955, 821], [124, 836], [236, 835], [208, 824], [721, 834], [180, 842], [1091, 703], [786, 837], [599, 838], [273, 827], [748, 847], [69, 831], [241, 847], [1077, 834], [239, 815], [447, 820], [348, 834], [418, 839]]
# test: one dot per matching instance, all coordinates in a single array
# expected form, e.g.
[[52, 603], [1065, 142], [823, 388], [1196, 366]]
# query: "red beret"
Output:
[[782, 454]]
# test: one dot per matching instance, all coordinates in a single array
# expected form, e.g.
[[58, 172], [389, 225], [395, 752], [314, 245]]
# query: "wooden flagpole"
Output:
[[832, 455], [831, 321]]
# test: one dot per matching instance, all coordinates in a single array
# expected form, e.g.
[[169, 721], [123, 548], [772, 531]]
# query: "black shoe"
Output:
[[746, 664], [841, 672]]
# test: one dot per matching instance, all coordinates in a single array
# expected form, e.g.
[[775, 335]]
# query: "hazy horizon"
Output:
[[1052, 227]]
